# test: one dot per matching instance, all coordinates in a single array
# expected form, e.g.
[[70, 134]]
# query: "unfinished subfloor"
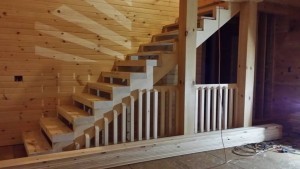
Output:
[[206, 160]]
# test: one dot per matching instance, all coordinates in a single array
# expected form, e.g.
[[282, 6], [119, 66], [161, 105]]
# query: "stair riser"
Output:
[[164, 37], [116, 93], [170, 28], [169, 47], [130, 68], [146, 57]]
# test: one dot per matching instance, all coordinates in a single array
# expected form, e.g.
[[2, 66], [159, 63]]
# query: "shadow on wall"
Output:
[[87, 20]]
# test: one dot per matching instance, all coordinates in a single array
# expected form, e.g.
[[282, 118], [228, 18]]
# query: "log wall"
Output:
[[286, 78], [49, 49]]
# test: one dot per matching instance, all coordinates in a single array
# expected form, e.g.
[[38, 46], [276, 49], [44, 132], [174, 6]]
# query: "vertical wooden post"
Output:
[[147, 116], [155, 113], [115, 128], [97, 136], [162, 112], [246, 62], [187, 64], [131, 118], [124, 120], [140, 116]]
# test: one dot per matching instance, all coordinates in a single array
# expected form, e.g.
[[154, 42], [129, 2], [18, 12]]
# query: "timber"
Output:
[[129, 153], [186, 70], [246, 62]]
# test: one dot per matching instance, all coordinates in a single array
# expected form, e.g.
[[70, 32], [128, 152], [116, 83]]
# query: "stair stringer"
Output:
[[169, 61], [222, 17], [80, 140]]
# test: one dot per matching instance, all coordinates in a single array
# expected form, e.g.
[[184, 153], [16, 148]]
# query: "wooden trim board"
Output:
[[129, 153]]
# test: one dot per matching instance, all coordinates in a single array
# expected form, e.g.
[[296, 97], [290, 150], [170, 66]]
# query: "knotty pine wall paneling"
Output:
[[50, 49]]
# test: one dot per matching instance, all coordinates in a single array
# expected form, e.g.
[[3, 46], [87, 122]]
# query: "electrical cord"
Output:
[[219, 81]]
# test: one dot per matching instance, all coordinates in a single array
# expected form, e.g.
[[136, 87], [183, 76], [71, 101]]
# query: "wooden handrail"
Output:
[[233, 85]]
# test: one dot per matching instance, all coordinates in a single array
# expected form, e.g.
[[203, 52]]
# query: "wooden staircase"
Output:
[[104, 102]]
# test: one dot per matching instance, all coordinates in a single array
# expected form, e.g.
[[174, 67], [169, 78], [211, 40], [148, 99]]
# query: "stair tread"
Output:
[[90, 97], [174, 32], [107, 87], [73, 112], [54, 128], [171, 25], [35, 143], [124, 75], [165, 42], [150, 53], [136, 63], [208, 17]]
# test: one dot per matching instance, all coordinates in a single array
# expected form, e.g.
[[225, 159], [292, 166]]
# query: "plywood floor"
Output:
[[216, 160], [206, 160], [10, 152]]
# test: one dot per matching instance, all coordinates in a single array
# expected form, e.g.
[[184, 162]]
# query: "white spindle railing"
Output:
[[155, 113], [216, 107]]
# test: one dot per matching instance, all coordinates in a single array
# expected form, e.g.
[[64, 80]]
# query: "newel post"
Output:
[[246, 62], [187, 64]]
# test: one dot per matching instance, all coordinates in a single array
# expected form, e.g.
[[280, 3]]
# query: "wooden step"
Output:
[[166, 45], [91, 101], [210, 9], [114, 92], [124, 75], [165, 36], [170, 27], [202, 19], [136, 63], [105, 87], [74, 115], [152, 55], [208, 17], [56, 130], [160, 43], [35, 143]]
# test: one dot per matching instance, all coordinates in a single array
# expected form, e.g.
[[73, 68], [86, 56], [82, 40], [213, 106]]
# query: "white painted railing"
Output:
[[145, 115], [216, 107]]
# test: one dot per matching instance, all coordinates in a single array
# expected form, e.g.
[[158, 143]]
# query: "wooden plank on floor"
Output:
[[129, 153]]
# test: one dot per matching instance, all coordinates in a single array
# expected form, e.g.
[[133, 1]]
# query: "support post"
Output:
[[246, 62], [187, 64]]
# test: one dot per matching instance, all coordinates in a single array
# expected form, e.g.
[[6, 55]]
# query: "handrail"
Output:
[[232, 85]]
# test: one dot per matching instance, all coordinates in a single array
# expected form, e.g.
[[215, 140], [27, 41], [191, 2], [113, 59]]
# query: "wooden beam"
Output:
[[187, 64], [246, 62], [134, 152]]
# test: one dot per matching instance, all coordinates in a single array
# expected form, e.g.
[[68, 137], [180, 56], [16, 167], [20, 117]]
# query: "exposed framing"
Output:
[[129, 153]]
